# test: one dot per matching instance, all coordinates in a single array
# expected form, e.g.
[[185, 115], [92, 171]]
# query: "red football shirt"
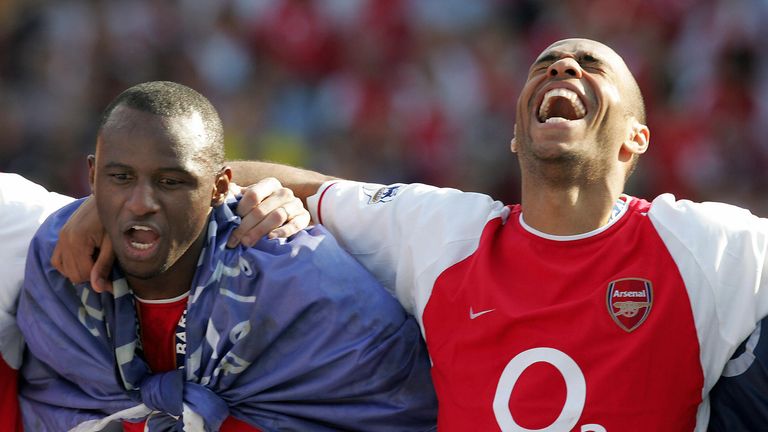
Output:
[[10, 418], [158, 321], [626, 327], [563, 355]]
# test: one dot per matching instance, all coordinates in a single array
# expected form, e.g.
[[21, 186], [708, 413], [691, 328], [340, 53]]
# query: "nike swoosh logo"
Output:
[[473, 315]]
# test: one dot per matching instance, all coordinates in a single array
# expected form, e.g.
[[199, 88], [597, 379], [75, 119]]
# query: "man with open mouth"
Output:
[[287, 335], [581, 308], [24, 206]]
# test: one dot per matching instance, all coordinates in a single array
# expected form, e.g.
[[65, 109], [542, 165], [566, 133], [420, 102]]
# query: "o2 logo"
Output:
[[576, 391]]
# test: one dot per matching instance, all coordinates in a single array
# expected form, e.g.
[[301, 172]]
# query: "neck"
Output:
[[568, 210], [174, 281]]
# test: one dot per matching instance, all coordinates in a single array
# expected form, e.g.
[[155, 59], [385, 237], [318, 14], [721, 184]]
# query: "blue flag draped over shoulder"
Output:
[[288, 335]]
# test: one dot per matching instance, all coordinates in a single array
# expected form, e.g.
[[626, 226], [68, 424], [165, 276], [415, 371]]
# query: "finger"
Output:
[[70, 265], [273, 220], [247, 224], [99, 274], [78, 238], [252, 209], [292, 212], [80, 264], [277, 215], [295, 212], [233, 240], [253, 195], [62, 265], [291, 227], [269, 214], [57, 260], [283, 203], [287, 224]]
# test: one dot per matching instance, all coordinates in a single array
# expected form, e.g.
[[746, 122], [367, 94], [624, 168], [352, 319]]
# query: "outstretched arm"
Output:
[[304, 183], [256, 210]]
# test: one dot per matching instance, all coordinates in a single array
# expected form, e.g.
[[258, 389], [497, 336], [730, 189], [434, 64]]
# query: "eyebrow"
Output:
[[119, 165], [553, 56], [116, 165], [549, 58]]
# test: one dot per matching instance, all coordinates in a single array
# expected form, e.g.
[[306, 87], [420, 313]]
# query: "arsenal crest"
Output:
[[629, 302]]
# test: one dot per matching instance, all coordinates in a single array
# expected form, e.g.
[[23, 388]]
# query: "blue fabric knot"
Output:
[[206, 404], [167, 392], [164, 392]]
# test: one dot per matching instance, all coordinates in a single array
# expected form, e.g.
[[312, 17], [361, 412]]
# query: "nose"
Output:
[[565, 68], [142, 200]]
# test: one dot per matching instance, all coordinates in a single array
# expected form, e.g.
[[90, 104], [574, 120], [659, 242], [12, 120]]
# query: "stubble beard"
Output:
[[131, 271], [561, 170]]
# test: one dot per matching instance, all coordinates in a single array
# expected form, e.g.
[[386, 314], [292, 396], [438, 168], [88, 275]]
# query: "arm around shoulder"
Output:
[[304, 183]]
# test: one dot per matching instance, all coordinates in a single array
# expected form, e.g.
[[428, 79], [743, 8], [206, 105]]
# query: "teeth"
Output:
[[141, 246], [578, 107], [556, 120]]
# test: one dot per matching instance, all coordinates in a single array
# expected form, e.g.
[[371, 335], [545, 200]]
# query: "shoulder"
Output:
[[374, 194], [47, 235], [19, 196], [401, 211], [311, 251], [312, 263], [667, 205], [710, 232], [688, 218], [306, 282], [15, 188], [24, 206]]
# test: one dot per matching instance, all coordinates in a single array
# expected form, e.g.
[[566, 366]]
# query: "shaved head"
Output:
[[169, 99]]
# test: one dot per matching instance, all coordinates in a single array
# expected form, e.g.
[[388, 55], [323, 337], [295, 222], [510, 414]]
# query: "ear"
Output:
[[513, 143], [639, 138], [91, 170], [221, 186]]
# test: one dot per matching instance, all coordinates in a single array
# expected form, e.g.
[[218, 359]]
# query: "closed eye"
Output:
[[591, 62], [170, 182], [120, 178]]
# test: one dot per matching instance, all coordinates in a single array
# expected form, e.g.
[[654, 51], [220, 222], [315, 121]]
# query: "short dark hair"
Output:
[[636, 109], [636, 103], [170, 99]]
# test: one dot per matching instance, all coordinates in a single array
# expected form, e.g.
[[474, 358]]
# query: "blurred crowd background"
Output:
[[387, 90]]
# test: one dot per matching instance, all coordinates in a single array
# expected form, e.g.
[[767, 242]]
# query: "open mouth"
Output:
[[141, 237], [561, 105]]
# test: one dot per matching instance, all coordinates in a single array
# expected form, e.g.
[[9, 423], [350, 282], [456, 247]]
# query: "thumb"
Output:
[[103, 266]]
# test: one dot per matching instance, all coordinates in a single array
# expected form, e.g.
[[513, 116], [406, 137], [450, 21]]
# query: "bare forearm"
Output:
[[304, 183]]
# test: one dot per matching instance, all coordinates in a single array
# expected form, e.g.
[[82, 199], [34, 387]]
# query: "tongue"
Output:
[[561, 107], [145, 237]]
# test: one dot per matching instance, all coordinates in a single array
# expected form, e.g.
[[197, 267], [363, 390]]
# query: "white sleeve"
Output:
[[721, 252], [406, 235], [23, 207]]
